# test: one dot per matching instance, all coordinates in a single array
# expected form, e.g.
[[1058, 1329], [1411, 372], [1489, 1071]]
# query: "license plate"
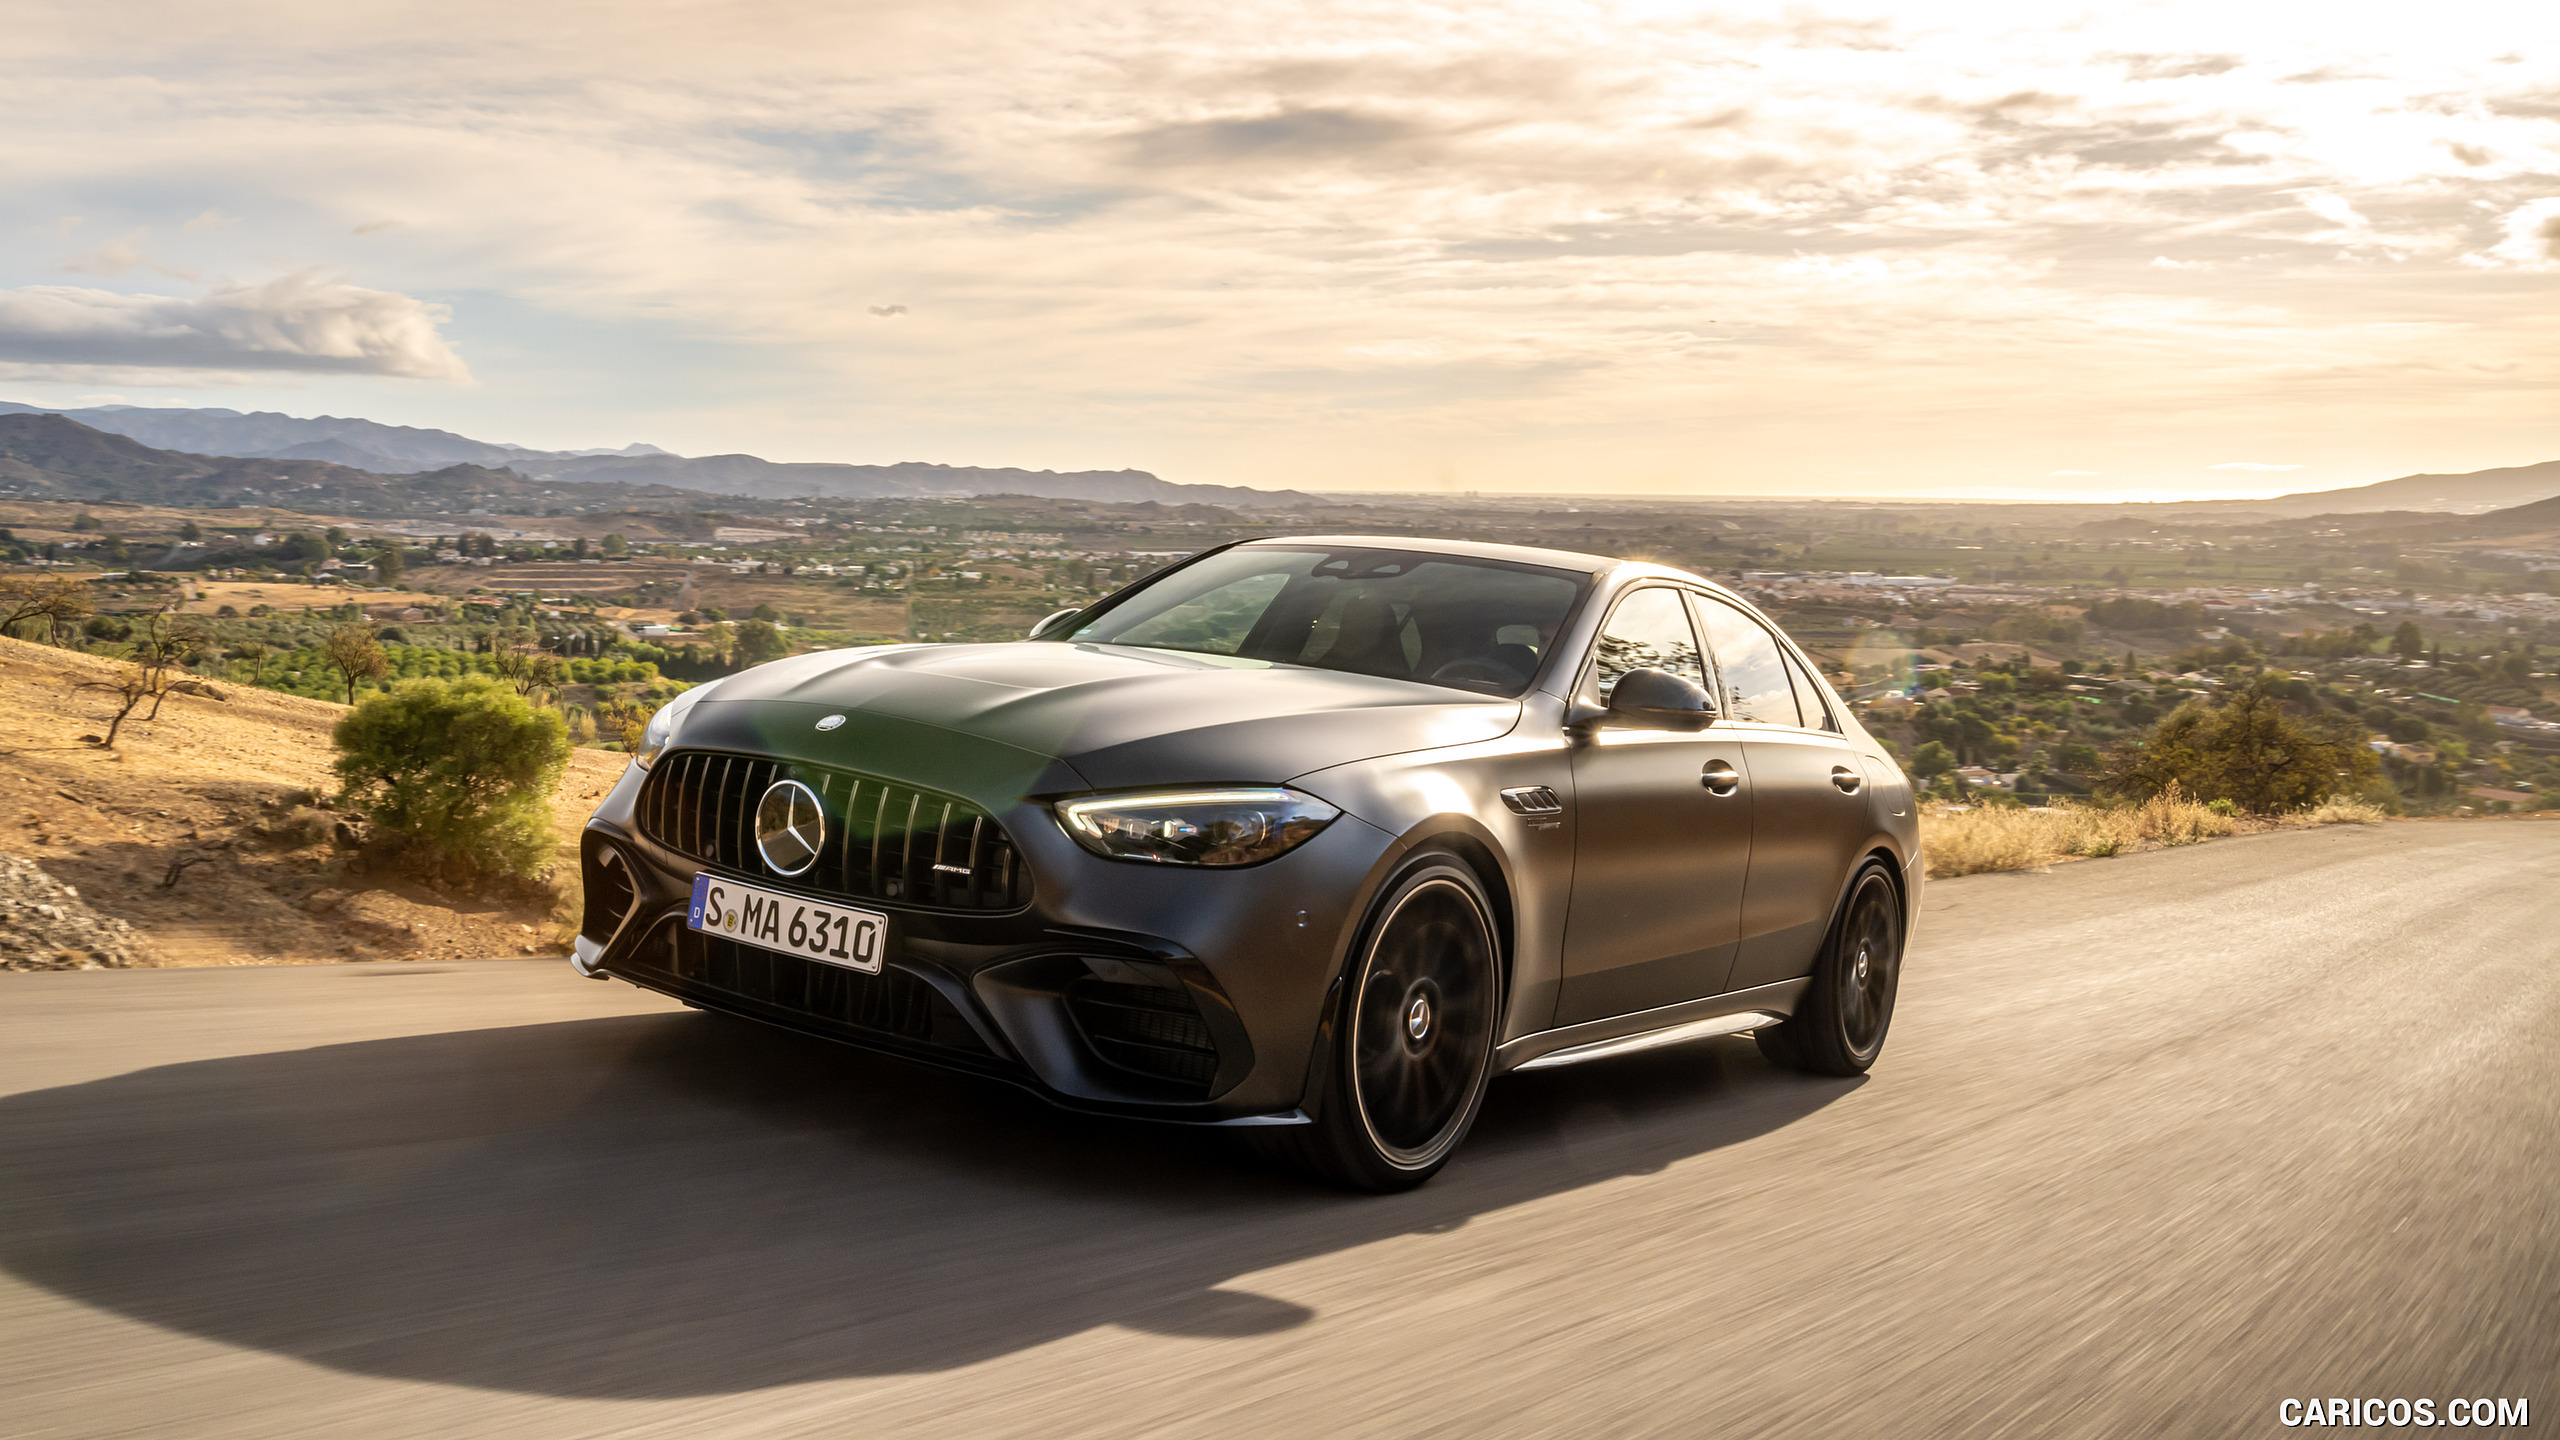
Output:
[[791, 924]]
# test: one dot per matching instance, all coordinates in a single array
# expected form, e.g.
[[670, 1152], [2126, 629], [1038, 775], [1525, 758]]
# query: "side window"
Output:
[[1751, 672], [1817, 713], [1649, 629]]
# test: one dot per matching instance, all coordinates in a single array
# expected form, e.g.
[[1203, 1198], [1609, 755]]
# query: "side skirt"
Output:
[[1727, 1014]]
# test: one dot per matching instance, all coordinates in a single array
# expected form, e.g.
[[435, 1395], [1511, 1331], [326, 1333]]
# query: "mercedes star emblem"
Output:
[[831, 722], [789, 827]]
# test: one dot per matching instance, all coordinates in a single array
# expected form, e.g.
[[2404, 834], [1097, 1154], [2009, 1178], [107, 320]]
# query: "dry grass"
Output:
[[1971, 841], [237, 779]]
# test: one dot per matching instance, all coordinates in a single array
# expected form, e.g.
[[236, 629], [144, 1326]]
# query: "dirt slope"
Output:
[[225, 779]]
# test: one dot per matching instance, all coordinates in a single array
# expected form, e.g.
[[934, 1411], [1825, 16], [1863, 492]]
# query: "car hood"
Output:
[[1118, 715]]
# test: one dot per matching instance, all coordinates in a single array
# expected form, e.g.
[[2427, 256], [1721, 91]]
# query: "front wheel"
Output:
[[1839, 1025], [1413, 1037]]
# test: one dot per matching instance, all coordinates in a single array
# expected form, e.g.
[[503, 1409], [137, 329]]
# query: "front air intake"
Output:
[[1146, 1029], [610, 891]]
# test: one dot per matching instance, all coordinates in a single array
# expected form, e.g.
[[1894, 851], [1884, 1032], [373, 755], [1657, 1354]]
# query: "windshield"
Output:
[[1481, 625]]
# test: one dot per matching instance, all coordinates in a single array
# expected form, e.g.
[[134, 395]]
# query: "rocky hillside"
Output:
[[204, 833]]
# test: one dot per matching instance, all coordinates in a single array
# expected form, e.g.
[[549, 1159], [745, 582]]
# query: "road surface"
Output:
[[2157, 1142]]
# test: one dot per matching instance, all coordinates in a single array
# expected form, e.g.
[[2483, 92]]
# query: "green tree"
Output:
[[2406, 642], [456, 776], [615, 547], [2249, 750], [1932, 760], [767, 613], [84, 522], [191, 531], [758, 641], [387, 564], [355, 652]]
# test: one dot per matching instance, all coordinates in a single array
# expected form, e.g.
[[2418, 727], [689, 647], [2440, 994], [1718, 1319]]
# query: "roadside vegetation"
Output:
[[2249, 761], [455, 778], [1970, 840]]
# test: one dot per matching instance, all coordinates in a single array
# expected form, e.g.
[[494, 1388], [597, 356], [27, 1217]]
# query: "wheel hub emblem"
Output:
[[1417, 1018], [789, 827], [1862, 966]]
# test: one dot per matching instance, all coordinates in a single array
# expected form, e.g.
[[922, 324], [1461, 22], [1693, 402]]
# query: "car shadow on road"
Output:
[[669, 1205]]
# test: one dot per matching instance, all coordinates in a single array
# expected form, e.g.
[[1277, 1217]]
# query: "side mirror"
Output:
[[1650, 699], [1052, 623]]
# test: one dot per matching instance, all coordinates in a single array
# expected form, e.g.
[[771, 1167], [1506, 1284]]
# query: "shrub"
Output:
[[456, 776], [2248, 751]]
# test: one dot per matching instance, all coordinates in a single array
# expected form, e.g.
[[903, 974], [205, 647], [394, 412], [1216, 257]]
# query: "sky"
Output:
[[1979, 249]]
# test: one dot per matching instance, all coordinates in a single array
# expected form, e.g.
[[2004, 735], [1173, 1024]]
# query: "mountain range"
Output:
[[2466, 494], [46, 457], [376, 450], [401, 449]]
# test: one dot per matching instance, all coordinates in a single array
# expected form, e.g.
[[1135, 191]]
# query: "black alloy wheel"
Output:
[[1839, 1025], [1414, 1037]]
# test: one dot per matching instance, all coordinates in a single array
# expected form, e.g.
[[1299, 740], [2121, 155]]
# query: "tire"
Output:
[[1839, 1025], [1413, 1032]]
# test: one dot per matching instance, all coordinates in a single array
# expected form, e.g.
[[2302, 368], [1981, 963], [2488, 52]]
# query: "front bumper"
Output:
[[1169, 993]]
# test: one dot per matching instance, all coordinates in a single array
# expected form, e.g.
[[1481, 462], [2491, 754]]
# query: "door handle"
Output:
[[1849, 781], [1720, 778]]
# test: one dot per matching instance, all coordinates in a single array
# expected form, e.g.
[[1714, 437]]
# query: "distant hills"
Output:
[[376, 450], [2466, 494], [367, 445], [47, 457], [364, 444], [2540, 515]]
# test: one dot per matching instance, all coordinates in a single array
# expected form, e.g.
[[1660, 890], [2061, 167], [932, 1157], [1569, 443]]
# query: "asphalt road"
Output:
[[2157, 1142]]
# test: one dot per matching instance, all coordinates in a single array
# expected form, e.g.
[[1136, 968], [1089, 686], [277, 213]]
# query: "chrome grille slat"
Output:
[[890, 839]]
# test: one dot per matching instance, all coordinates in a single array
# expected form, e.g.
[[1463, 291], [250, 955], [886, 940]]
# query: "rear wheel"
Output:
[[1839, 1025], [1413, 1037]]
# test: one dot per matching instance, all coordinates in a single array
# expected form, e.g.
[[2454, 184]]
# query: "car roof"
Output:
[[1476, 549]]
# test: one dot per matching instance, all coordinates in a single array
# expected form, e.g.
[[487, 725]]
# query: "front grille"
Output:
[[1143, 1028], [893, 1002], [884, 841]]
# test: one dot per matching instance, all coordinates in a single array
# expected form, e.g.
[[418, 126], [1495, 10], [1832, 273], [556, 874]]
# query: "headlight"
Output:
[[1196, 827], [660, 732]]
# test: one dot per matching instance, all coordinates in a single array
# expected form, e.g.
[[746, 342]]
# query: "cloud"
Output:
[[2070, 472], [2249, 465], [2175, 67], [887, 312], [1288, 136], [211, 220], [1181, 235], [123, 253], [372, 226], [2532, 236], [300, 322]]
